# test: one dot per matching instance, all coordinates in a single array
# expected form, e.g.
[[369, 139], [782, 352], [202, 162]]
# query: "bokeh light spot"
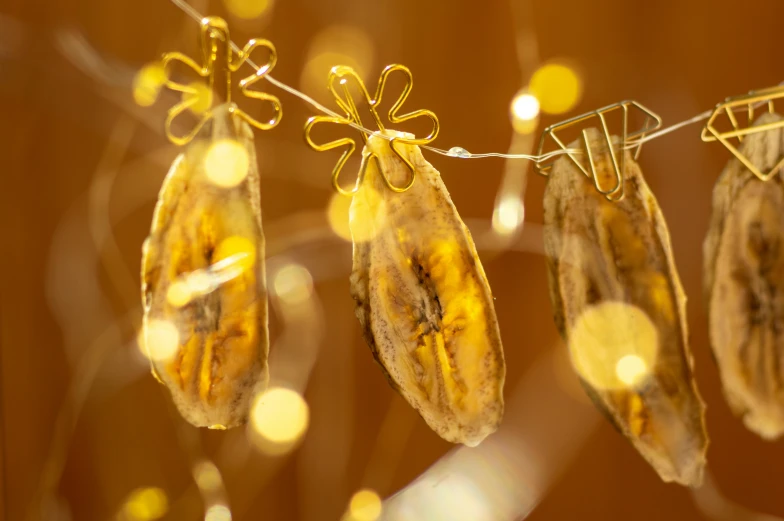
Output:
[[226, 163], [179, 294], [218, 513], [557, 87], [293, 284], [240, 250], [146, 504], [200, 96], [525, 106], [508, 215], [613, 345], [147, 84], [280, 415], [247, 9], [336, 45], [365, 505], [207, 476], [631, 369], [161, 340]]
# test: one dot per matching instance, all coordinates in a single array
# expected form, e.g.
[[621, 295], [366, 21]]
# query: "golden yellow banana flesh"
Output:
[[423, 299], [203, 280], [619, 304]]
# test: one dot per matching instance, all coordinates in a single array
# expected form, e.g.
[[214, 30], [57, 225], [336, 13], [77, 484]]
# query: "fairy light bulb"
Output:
[[557, 87], [161, 340], [279, 416], [508, 215]]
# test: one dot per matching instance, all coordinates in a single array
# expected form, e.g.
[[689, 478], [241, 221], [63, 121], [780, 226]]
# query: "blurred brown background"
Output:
[[82, 169]]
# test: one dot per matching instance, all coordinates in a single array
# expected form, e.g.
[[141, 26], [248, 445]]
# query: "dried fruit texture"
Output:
[[744, 283], [619, 304], [203, 273], [423, 298]]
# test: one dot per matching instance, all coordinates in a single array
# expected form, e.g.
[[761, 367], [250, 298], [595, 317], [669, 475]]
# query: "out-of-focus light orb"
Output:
[[200, 282], [508, 215], [613, 345], [226, 163], [336, 45], [525, 106], [238, 250], [147, 84], [161, 340], [146, 504], [337, 214], [218, 513], [557, 87], [365, 505], [280, 415], [248, 9], [201, 96], [293, 284], [207, 476], [631, 369], [179, 294]]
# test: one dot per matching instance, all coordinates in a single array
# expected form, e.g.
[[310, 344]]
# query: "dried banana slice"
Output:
[[423, 299], [203, 280], [619, 304], [744, 283]]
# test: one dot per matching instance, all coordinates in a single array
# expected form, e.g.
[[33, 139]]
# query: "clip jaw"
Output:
[[215, 31], [615, 193], [340, 75], [750, 101]]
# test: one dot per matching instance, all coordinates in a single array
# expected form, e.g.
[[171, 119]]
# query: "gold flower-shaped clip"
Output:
[[340, 75], [214, 33]]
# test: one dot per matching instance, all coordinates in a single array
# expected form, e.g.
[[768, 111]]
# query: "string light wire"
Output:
[[459, 152]]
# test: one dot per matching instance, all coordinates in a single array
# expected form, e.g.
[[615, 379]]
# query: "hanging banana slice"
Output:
[[744, 283], [423, 298], [619, 304], [203, 281]]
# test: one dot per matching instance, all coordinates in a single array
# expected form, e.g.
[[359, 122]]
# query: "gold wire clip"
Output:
[[341, 74], [616, 192], [750, 101], [215, 31]]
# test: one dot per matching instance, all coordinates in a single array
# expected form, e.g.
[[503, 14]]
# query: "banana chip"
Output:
[[203, 280], [423, 299], [619, 304], [744, 283]]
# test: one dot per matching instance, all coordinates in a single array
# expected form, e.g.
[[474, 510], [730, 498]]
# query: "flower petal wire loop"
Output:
[[215, 31], [246, 82], [338, 80]]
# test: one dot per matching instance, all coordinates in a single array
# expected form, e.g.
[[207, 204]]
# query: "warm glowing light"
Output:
[[179, 294], [162, 339], [338, 44], [248, 9], [359, 218], [200, 282], [226, 163], [613, 345], [200, 96], [280, 415], [525, 106], [631, 369], [207, 476], [367, 215], [557, 87], [146, 504], [365, 505], [218, 513], [293, 284], [508, 215], [240, 251], [147, 84]]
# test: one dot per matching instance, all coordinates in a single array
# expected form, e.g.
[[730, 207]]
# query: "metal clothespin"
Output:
[[749, 102], [614, 193]]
